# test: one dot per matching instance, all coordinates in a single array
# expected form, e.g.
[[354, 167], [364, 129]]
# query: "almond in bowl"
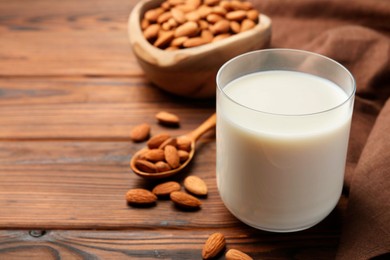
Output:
[[181, 44]]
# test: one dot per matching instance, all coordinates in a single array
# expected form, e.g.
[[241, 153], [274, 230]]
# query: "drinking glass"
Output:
[[282, 171]]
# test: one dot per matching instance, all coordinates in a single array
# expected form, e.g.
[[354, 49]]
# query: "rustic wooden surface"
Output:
[[70, 91]]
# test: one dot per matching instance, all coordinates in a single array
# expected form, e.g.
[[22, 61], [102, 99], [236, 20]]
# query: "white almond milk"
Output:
[[281, 169]]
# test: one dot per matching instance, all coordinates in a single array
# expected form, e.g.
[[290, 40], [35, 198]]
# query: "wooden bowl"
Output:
[[191, 72]]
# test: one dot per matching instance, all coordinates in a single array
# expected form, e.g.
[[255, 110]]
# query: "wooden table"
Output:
[[70, 92]]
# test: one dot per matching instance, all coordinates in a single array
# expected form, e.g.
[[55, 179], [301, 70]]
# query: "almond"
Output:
[[183, 155], [140, 132], [170, 141], [247, 24], [195, 41], [235, 26], [166, 5], [164, 189], [237, 5], [186, 8], [172, 22], [145, 24], [164, 17], [193, 16], [151, 31], [219, 10], [145, 166], [195, 185], [140, 196], [222, 26], [166, 27], [187, 29], [213, 246], [253, 15], [226, 5], [179, 41], [211, 2], [176, 2], [207, 35], [194, 3], [185, 200], [236, 15], [203, 25], [221, 37], [172, 48], [166, 118], [154, 155], [183, 143], [204, 11], [213, 18], [178, 15], [153, 14], [163, 39], [246, 6], [171, 156], [157, 140], [234, 254], [162, 166]]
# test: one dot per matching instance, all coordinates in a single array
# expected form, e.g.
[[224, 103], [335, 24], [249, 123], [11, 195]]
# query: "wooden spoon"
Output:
[[194, 135]]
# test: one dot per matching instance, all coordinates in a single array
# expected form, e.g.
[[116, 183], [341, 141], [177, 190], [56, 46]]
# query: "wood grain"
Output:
[[70, 37], [157, 244], [85, 108], [82, 185], [48, 15]]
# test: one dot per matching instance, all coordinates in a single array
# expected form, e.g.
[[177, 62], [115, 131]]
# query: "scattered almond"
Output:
[[213, 246], [140, 197], [195, 185], [164, 189], [140, 132], [166, 118], [234, 254], [185, 200]]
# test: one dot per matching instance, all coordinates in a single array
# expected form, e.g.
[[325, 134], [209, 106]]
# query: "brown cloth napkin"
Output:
[[356, 34]]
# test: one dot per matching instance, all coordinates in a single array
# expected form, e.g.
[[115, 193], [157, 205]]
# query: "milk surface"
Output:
[[281, 169]]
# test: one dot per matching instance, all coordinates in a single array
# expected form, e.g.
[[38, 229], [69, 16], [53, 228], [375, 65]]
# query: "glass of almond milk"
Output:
[[283, 122]]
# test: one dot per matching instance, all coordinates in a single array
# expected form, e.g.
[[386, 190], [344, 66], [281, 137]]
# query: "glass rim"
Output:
[[227, 63]]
